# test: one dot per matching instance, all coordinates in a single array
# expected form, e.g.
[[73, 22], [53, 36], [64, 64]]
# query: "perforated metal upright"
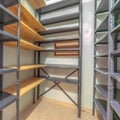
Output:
[[7, 17]]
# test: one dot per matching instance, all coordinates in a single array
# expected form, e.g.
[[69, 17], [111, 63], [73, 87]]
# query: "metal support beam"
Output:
[[1, 76], [110, 65], [80, 56], [48, 90], [71, 73], [18, 61], [65, 93], [1, 64], [34, 95], [45, 72], [94, 82], [38, 91]]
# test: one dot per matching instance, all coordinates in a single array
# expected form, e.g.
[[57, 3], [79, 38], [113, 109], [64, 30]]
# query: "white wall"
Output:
[[88, 59]]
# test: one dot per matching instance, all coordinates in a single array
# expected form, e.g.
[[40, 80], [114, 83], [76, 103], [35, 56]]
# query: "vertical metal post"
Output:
[[18, 62], [38, 74], [94, 82], [110, 65], [80, 57], [1, 76], [38, 87], [1, 64]]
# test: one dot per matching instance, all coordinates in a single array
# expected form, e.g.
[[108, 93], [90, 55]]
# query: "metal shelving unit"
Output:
[[114, 100], [8, 17], [110, 107], [77, 26], [100, 95]]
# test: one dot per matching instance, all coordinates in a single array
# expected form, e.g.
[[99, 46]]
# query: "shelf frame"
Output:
[[10, 14], [5, 98], [61, 18]]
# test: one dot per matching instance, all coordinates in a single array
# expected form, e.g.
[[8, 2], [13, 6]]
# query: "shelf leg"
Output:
[[38, 91], [34, 95]]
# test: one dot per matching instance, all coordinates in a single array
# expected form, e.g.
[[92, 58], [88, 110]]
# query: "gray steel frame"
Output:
[[112, 84], [94, 89], [57, 6], [113, 76], [79, 68], [6, 70], [102, 71]]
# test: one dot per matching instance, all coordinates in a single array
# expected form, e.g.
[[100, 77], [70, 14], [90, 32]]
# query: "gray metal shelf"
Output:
[[62, 66], [64, 49], [101, 109], [103, 71], [103, 30], [60, 39], [62, 80], [116, 76], [6, 17], [103, 6], [116, 29], [6, 37], [6, 99], [103, 40], [116, 52], [103, 90], [102, 55], [65, 28], [116, 107], [57, 6], [103, 26], [8, 3], [66, 17], [72, 15], [116, 6], [7, 70]]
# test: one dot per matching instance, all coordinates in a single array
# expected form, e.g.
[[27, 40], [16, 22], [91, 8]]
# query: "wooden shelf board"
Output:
[[26, 32], [24, 45], [25, 86], [37, 3], [74, 53], [28, 18], [67, 44], [27, 67]]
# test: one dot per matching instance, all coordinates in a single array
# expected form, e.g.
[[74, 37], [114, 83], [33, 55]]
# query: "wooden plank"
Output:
[[28, 18], [24, 45], [25, 86], [36, 4], [67, 44], [27, 67], [26, 32], [73, 53]]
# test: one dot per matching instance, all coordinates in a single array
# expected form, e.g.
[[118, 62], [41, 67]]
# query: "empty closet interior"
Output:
[[64, 51]]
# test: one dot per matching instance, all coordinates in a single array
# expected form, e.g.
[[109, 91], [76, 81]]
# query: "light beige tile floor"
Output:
[[47, 109]]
